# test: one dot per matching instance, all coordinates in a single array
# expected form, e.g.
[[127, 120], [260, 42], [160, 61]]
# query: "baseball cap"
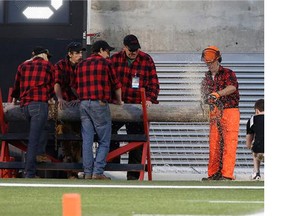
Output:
[[96, 46], [132, 42], [75, 47], [210, 54], [39, 50]]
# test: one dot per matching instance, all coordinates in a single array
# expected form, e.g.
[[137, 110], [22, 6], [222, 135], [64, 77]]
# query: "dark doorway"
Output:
[[19, 35]]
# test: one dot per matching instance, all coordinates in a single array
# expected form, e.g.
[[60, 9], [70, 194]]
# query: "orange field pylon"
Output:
[[71, 204]]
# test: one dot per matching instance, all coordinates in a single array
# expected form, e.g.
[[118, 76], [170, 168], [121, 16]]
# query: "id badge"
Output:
[[135, 82]]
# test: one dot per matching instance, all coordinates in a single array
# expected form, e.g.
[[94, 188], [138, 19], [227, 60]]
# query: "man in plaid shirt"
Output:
[[66, 96], [135, 70], [95, 78], [65, 75], [34, 87]]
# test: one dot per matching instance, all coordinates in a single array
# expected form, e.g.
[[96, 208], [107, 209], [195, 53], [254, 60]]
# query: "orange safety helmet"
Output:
[[210, 54]]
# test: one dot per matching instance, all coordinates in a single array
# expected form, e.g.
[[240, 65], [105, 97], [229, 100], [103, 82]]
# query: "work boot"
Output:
[[216, 176], [87, 176], [42, 159], [225, 179], [100, 177]]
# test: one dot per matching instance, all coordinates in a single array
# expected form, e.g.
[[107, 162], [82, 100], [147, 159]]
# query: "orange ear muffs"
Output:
[[212, 53]]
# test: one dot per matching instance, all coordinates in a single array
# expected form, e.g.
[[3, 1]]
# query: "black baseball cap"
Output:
[[75, 47], [96, 46], [132, 42], [39, 50]]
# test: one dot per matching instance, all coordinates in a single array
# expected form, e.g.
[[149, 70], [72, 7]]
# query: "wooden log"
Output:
[[193, 112]]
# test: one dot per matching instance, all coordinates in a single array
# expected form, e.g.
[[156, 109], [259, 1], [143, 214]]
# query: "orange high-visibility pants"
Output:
[[228, 127]]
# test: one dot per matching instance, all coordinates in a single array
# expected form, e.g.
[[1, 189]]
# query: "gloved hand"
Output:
[[213, 97]]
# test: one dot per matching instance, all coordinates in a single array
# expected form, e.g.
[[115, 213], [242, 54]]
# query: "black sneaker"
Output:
[[132, 178], [256, 176]]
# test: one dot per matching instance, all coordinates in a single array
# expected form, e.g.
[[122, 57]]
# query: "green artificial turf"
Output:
[[132, 201]]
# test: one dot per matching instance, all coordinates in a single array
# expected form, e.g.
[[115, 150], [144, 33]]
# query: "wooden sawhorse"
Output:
[[7, 165]]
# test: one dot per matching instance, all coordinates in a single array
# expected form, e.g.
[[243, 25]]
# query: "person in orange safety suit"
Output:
[[220, 90]]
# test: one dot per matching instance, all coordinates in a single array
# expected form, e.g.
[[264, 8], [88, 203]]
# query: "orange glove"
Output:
[[215, 94], [212, 98]]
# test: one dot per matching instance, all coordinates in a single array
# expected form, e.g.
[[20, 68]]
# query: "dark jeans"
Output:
[[43, 140], [135, 155], [37, 115]]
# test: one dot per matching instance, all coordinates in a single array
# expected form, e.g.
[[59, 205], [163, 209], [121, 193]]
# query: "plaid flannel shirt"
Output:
[[34, 81], [65, 76], [95, 79], [222, 79], [144, 68]]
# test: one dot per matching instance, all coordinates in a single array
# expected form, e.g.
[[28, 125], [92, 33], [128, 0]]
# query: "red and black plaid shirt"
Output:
[[222, 79], [94, 79], [65, 76], [144, 68], [34, 81]]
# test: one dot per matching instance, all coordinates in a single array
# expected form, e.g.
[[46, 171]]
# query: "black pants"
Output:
[[135, 155]]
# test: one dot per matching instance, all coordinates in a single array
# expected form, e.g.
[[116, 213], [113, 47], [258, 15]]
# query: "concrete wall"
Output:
[[181, 26]]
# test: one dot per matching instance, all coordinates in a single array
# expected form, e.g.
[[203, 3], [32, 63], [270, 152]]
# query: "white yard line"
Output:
[[128, 186], [170, 215], [257, 214], [235, 201], [225, 201]]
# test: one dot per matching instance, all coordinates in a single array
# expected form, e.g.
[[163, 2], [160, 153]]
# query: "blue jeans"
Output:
[[37, 115], [95, 118]]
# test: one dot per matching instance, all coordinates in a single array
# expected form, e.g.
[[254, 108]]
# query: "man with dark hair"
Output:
[[34, 87], [65, 75], [66, 96], [255, 137], [95, 80], [135, 70], [220, 90]]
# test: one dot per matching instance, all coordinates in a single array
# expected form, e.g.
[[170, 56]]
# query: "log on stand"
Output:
[[194, 112]]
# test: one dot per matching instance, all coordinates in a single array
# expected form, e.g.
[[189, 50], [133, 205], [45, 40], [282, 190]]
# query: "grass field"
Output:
[[121, 198]]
